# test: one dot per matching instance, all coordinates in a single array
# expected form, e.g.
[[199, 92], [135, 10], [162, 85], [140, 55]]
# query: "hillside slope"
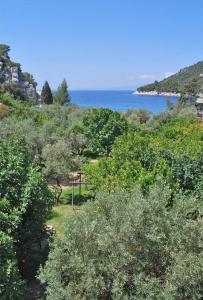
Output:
[[176, 82]]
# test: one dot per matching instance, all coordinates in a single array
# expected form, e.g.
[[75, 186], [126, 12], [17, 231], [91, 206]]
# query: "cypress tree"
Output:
[[46, 94], [62, 96]]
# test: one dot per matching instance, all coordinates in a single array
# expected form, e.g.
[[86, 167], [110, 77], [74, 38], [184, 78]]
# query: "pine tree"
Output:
[[46, 94], [62, 96]]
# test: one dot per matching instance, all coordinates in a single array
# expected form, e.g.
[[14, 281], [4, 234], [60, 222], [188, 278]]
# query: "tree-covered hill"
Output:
[[176, 82]]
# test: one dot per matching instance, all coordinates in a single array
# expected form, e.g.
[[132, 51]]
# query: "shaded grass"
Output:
[[66, 196]]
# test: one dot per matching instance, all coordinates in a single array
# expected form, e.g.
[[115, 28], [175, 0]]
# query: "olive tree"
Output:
[[129, 247], [58, 162]]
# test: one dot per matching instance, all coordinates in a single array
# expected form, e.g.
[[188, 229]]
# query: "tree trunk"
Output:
[[60, 190]]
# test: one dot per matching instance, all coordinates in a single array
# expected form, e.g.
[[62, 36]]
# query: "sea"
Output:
[[119, 100]]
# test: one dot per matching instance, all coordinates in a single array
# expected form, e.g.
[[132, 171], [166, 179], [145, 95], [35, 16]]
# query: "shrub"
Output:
[[6, 99]]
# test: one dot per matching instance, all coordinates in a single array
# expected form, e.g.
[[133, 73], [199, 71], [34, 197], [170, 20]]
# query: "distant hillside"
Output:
[[176, 82]]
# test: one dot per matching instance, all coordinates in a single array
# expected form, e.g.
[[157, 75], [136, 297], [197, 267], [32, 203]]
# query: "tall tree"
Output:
[[58, 163], [62, 96], [46, 94]]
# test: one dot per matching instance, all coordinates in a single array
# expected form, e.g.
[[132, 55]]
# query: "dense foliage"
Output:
[[50, 133], [172, 151], [129, 247], [101, 127], [137, 116], [178, 81], [46, 94], [12, 90], [25, 203], [41, 126], [11, 284], [144, 244], [62, 96]]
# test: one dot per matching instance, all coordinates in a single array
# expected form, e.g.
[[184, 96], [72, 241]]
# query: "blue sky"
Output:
[[102, 44]]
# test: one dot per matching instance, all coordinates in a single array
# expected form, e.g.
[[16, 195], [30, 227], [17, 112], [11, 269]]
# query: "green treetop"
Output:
[[101, 127], [46, 94], [4, 49], [62, 96]]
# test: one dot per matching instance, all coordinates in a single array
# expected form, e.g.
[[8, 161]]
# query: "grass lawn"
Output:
[[61, 212], [66, 197], [59, 216]]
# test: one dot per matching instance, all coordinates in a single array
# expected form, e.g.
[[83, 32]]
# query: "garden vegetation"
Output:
[[140, 234]]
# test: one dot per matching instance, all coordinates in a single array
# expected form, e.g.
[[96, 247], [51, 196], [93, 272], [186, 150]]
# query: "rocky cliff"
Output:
[[12, 77]]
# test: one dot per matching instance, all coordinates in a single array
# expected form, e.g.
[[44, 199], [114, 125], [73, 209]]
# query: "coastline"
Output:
[[155, 93]]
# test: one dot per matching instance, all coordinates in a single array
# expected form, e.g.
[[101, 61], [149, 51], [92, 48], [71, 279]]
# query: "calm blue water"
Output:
[[119, 100]]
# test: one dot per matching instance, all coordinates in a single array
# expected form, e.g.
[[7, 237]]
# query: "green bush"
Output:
[[6, 99], [25, 204]]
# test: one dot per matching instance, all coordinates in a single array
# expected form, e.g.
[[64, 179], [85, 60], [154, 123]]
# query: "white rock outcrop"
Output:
[[12, 74]]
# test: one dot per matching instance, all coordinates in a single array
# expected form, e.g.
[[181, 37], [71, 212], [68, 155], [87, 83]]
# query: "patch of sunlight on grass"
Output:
[[59, 216], [64, 210]]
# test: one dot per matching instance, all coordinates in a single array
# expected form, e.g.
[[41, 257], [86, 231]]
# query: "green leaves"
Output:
[[128, 246], [62, 97], [101, 127], [59, 160], [173, 153], [25, 202], [46, 94], [11, 284]]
